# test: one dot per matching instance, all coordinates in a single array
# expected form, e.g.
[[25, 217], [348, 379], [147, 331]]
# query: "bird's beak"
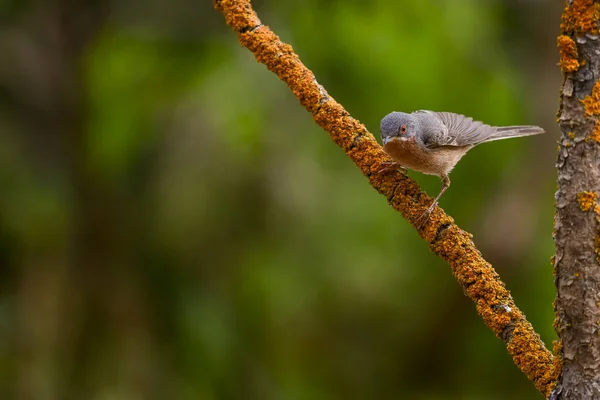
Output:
[[386, 140]]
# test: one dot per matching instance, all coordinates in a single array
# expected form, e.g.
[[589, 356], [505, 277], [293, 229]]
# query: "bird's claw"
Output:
[[422, 220], [390, 166]]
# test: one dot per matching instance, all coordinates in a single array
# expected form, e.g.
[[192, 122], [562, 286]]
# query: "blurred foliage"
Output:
[[173, 225]]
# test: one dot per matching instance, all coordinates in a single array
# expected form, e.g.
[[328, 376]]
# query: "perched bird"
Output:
[[433, 142]]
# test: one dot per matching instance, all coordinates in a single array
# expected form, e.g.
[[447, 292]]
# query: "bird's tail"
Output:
[[505, 132]]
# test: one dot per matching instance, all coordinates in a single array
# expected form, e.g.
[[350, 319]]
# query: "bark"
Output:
[[577, 220], [476, 276]]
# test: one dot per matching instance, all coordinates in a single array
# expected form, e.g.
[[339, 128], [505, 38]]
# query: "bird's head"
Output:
[[397, 125]]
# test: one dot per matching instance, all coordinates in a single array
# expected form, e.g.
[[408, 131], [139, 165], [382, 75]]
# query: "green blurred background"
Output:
[[173, 225]]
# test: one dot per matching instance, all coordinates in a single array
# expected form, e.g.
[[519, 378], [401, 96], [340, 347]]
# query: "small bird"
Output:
[[433, 142]]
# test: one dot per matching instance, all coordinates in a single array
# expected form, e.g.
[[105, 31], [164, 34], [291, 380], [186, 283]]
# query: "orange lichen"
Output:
[[592, 102], [595, 135], [477, 277], [580, 17], [555, 371], [592, 109], [556, 324], [586, 200], [568, 54], [238, 14], [557, 347], [544, 372]]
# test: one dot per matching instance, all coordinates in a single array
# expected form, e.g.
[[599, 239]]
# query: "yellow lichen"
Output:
[[592, 109], [541, 368], [557, 348], [571, 135], [592, 102], [568, 54], [586, 200], [581, 17], [556, 324], [595, 135]]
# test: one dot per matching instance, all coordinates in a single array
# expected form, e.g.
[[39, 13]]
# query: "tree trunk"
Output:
[[577, 220]]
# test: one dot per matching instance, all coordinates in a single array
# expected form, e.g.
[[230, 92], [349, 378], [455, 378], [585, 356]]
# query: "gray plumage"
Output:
[[433, 142], [437, 129]]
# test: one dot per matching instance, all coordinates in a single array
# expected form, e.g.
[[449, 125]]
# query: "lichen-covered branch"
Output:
[[477, 277], [577, 221]]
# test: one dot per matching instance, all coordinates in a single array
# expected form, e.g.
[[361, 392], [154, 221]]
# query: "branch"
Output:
[[477, 277], [577, 221]]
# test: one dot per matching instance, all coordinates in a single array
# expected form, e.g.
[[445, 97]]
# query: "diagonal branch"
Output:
[[479, 280]]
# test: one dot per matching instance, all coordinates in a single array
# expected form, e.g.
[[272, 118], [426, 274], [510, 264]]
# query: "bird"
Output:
[[434, 142]]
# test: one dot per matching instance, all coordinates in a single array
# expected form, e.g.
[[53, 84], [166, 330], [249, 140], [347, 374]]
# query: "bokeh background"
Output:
[[173, 225]]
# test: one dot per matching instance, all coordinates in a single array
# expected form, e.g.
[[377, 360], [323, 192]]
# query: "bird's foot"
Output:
[[420, 222], [391, 166]]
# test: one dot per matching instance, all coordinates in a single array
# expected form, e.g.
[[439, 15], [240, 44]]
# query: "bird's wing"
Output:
[[463, 131]]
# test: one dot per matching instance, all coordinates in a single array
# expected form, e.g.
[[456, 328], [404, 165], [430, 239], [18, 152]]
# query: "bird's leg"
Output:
[[445, 185], [389, 166]]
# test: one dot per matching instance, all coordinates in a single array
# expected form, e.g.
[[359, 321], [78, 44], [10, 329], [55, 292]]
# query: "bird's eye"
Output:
[[403, 129]]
